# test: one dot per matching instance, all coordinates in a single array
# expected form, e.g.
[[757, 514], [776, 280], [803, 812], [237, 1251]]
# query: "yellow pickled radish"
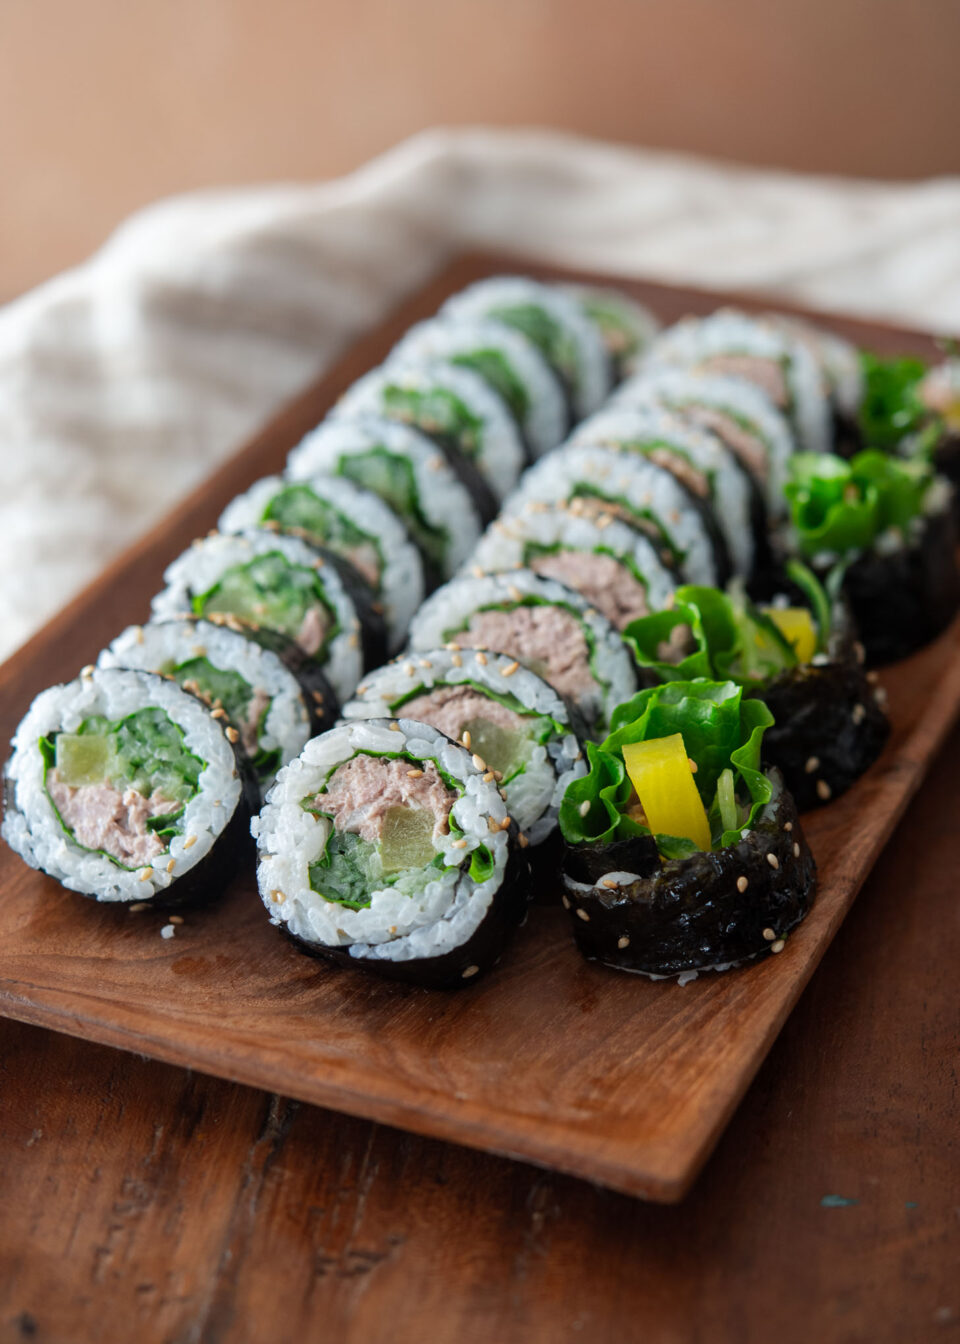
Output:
[[797, 627], [660, 772]]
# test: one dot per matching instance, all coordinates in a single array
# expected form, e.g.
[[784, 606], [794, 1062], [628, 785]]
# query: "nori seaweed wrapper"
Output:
[[828, 729], [482, 949], [318, 695], [689, 914]]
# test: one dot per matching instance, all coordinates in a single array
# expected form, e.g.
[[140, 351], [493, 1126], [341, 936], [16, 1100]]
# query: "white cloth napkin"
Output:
[[125, 381]]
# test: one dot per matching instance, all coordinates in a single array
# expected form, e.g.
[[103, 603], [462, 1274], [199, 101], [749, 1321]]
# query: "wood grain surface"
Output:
[[625, 1082]]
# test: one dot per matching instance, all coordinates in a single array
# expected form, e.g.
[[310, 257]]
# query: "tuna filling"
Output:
[[766, 373], [548, 640], [604, 582], [748, 447], [499, 735]]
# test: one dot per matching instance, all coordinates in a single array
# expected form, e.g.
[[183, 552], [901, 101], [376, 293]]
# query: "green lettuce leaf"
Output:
[[840, 506], [891, 407]]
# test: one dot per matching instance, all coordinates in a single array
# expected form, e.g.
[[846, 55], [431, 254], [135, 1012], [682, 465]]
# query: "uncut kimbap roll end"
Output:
[[125, 788], [682, 854], [384, 847]]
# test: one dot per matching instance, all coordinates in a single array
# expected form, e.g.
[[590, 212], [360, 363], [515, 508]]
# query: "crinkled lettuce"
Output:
[[839, 507], [721, 731], [891, 408]]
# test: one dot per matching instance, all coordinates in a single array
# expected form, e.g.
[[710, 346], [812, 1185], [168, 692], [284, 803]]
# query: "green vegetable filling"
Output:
[[272, 592], [437, 412], [494, 368], [891, 408], [546, 333], [392, 477], [839, 507], [235, 694], [296, 506]]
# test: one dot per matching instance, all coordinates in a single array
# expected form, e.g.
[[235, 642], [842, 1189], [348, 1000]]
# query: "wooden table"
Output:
[[144, 1202]]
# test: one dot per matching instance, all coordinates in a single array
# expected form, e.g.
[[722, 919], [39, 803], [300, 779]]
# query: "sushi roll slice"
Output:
[[124, 787], [510, 363], [625, 326], [423, 486], [455, 408], [885, 528], [545, 626], [731, 408], [555, 323], [503, 713], [731, 342], [610, 562], [273, 698], [353, 523], [384, 847], [261, 580], [593, 481], [798, 655], [682, 854], [700, 461]]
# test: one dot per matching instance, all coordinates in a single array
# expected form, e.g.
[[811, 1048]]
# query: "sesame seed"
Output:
[[394, 727], [138, 633], [318, 697], [353, 640], [609, 882], [623, 942], [176, 919], [456, 660], [604, 521], [425, 662], [859, 714], [146, 874], [778, 946], [498, 774], [859, 651], [171, 865], [459, 844], [742, 884], [582, 914], [824, 790], [190, 841], [509, 670], [880, 695], [167, 931], [522, 840], [773, 861], [453, 646], [437, 463], [584, 807], [493, 824], [477, 571], [506, 823], [414, 774], [138, 906], [788, 825], [409, 670], [566, 901], [478, 762], [87, 671], [813, 763], [873, 678], [693, 765], [482, 658], [514, 592], [280, 897], [219, 714], [465, 738], [232, 735], [488, 777], [471, 970], [796, 850], [769, 935]]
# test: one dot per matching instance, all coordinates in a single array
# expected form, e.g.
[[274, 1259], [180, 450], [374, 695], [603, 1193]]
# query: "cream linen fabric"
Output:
[[125, 381]]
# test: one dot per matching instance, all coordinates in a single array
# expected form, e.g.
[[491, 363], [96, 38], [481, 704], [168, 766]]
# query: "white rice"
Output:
[[591, 376], [395, 926], [632, 480], [635, 317], [450, 609], [149, 648], [534, 795], [200, 566], [838, 358], [444, 500], [545, 422], [34, 829], [499, 452], [401, 584]]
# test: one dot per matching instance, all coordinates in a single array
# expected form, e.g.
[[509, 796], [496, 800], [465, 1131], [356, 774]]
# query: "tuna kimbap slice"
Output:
[[273, 699], [124, 787], [638, 490], [613, 564], [507, 716], [555, 323], [384, 847], [260, 580], [682, 854], [733, 343], [353, 523], [713, 476], [408, 472], [542, 624], [735, 411], [625, 326], [885, 528], [512, 365], [797, 655], [458, 410]]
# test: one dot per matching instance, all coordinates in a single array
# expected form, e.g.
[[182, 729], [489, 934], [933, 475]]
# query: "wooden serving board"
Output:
[[610, 1077]]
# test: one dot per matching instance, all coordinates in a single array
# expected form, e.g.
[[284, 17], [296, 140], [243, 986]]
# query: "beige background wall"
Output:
[[107, 104]]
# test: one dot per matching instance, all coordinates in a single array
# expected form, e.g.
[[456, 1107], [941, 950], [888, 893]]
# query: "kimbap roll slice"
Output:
[[733, 343], [553, 321], [884, 527], [407, 471], [545, 626], [614, 565], [507, 716], [595, 481], [625, 326], [798, 655], [510, 363], [260, 580], [384, 847], [838, 360], [700, 461], [125, 788], [736, 411], [455, 408], [271, 697], [352, 522], [682, 854]]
